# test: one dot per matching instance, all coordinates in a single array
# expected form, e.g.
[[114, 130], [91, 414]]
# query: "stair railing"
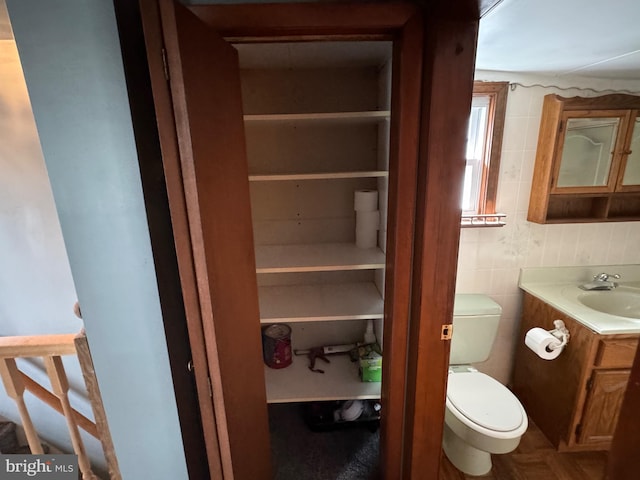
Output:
[[51, 349]]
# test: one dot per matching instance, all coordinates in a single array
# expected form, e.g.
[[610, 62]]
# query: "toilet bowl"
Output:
[[482, 416]]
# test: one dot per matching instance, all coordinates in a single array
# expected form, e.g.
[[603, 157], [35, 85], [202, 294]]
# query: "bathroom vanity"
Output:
[[575, 399]]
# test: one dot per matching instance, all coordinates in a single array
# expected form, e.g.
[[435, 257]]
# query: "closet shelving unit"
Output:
[[317, 129]]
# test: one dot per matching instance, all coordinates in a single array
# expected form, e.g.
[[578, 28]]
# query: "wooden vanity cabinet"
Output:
[[587, 161], [575, 399]]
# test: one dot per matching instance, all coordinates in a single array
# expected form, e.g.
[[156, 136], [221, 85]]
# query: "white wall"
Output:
[[73, 68], [490, 259], [36, 288]]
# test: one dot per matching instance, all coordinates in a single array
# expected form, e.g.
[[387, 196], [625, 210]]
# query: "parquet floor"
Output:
[[536, 459]]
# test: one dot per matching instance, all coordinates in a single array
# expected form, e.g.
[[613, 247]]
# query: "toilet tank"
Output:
[[475, 325]]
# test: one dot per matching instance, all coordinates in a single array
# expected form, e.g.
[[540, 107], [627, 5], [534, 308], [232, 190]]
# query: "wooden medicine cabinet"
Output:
[[588, 160]]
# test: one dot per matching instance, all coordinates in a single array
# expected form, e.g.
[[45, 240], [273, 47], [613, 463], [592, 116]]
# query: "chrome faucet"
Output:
[[601, 282]]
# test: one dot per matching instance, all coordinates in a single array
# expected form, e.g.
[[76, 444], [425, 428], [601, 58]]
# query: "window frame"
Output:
[[486, 214]]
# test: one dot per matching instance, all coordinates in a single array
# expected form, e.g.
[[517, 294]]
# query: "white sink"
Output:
[[604, 312], [620, 302]]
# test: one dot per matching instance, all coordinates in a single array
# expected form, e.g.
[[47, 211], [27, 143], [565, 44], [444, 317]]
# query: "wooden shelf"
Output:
[[317, 176], [581, 208], [306, 303], [576, 208], [296, 383], [375, 115], [322, 257]]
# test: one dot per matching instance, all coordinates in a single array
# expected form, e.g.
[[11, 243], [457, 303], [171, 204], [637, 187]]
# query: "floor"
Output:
[[352, 454], [536, 459], [301, 454]]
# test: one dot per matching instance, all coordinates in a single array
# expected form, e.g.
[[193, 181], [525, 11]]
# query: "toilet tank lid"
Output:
[[474, 304]]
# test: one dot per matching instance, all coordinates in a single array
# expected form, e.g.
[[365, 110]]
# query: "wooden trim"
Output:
[[333, 22], [181, 236], [304, 20], [447, 91], [497, 91], [603, 102], [404, 142], [93, 389], [626, 139], [37, 346], [141, 101], [542, 174], [206, 96]]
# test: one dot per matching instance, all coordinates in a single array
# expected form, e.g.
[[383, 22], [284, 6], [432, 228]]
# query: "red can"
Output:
[[276, 345]]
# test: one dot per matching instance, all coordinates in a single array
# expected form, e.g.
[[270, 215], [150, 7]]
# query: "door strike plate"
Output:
[[447, 331]]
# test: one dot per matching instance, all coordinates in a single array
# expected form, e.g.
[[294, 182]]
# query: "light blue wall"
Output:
[[36, 287], [71, 58]]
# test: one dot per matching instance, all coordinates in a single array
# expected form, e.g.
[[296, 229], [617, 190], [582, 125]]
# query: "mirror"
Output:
[[587, 152], [632, 170]]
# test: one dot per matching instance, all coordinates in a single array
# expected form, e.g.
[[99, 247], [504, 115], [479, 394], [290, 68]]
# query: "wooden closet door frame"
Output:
[[401, 23], [432, 82]]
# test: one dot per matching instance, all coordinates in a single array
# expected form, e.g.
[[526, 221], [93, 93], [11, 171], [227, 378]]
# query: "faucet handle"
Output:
[[603, 277]]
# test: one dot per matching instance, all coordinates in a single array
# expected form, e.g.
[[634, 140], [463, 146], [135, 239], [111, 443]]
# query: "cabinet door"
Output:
[[589, 146], [630, 172], [205, 89], [602, 407]]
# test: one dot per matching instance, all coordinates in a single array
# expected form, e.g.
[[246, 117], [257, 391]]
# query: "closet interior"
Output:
[[316, 118]]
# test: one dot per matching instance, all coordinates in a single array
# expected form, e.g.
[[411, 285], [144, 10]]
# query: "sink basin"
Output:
[[623, 303]]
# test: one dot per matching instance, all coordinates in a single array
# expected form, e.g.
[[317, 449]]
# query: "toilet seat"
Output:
[[483, 403]]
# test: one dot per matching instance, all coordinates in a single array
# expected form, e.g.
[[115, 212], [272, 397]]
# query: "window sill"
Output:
[[483, 221]]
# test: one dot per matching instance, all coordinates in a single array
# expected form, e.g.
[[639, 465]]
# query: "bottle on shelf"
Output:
[[369, 335]]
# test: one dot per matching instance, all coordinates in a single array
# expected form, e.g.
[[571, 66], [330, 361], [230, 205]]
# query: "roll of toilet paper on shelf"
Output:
[[365, 200], [539, 341], [368, 220], [367, 225], [366, 237]]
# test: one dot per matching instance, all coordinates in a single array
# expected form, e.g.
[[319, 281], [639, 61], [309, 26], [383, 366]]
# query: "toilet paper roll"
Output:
[[368, 220], [366, 237], [539, 341], [365, 200]]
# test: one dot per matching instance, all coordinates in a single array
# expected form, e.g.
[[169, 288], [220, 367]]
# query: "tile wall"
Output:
[[490, 258]]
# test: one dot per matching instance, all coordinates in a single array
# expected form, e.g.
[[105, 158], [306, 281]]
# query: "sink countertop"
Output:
[[558, 286]]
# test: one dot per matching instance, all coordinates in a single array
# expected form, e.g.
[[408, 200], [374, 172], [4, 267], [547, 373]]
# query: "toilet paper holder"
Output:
[[561, 333]]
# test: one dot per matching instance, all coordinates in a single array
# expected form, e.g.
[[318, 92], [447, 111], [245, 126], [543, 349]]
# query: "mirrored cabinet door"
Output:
[[587, 152], [631, 174]]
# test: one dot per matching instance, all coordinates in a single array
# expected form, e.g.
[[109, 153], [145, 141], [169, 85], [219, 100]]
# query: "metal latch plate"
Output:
[[447, 331]]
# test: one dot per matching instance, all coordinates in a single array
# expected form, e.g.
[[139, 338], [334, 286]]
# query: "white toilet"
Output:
[[482, 416]]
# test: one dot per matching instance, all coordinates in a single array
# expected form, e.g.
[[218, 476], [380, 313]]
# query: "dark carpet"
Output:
[[298, 453]]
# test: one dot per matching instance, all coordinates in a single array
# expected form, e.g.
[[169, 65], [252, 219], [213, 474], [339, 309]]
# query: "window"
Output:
[[484, 143]]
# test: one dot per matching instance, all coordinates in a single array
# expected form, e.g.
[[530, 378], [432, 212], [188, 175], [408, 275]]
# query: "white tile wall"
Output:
[[490, 259]]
